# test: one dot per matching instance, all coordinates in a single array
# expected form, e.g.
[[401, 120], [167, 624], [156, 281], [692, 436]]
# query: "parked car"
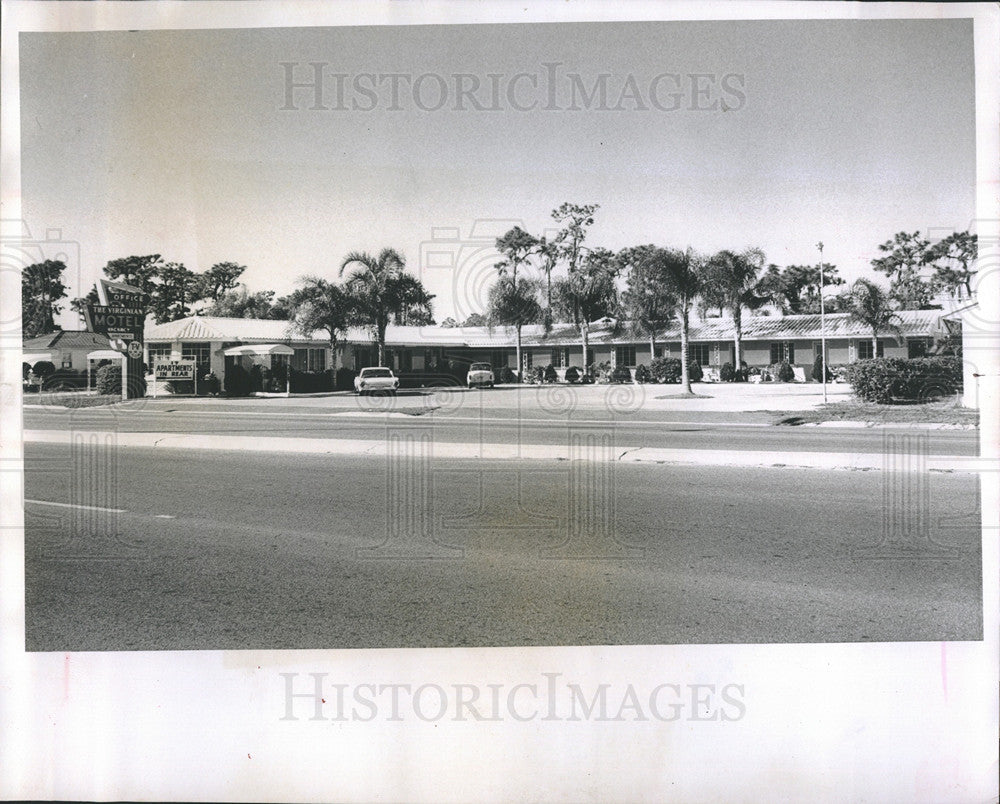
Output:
[[376, 379], [480, 374]]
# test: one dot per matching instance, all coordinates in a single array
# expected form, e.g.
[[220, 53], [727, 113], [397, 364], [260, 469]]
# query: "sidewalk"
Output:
[[528, 452]]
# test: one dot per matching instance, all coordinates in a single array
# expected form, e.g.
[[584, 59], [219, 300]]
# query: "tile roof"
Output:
[[914, 323], [67, 339], [213, 328]]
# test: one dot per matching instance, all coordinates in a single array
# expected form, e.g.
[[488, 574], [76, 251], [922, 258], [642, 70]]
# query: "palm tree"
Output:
[[589, 293], [548, 250], [374, 286], [319, 304], [871, 306], [513, 302], [734, 282], [683, 273]]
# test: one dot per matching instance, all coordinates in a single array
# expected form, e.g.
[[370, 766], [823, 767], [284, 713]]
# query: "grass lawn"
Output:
[[71, 399], [943, 411]]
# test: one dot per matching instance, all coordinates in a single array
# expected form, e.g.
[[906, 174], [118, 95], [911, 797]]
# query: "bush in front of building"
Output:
[[109, 382], [643, 374], [345, 379], [817, 370], [894, 379], [536, 374], [550, 373], [601, 372], [666, 369], [727, 373], [209, 384], [573, 374], [43, 368], [25, 371], [67, 379], [621, 374], [785, 372], [507, 375], [237, 381], [695, 372]]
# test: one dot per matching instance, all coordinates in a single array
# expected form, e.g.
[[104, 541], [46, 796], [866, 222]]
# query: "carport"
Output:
[[265, 350]]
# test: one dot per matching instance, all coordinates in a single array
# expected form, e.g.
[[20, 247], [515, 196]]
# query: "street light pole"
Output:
[[822, 320]]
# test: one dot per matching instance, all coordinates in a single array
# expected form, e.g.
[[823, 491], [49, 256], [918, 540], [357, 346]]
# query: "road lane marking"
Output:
[[78, 505]]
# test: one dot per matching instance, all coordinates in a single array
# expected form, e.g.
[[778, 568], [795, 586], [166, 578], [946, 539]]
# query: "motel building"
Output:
[[217, 344]]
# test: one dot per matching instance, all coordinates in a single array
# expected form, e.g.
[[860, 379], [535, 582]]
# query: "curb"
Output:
[[414, 448]]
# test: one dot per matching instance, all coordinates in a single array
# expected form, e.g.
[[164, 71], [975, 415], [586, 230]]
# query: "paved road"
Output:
[[250, 550], [474, 418]]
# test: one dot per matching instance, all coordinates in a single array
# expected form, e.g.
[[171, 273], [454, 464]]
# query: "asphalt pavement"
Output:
[[139, 549], [480, 417]]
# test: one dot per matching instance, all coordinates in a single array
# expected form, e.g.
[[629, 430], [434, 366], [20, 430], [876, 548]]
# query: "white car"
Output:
[[376, 380], [480, 374]]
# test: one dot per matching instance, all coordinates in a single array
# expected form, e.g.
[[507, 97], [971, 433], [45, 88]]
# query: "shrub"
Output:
[[67, 379], [43, 368], [886, 380], [536, 374], [817, 370], [209, 384], [573, 374], [695, 372], [643, 374], [550, 373], [25, 371], [507, 375], [109, 382], [237, 382], [601, 372], [345, 379], [621, 374], [727, 373], [666, 369], [785, 372]]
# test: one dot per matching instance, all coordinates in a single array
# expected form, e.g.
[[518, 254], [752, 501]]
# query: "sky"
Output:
[[773, 134]]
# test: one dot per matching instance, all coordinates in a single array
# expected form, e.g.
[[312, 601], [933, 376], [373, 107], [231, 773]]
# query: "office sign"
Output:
[[118, 294], [174, 370]]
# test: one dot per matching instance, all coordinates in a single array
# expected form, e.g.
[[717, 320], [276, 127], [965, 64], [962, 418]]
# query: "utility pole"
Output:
[[822, 320]]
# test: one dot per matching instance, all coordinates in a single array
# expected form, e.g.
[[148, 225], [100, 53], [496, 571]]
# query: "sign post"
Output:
[[173, 370], [121, 316]]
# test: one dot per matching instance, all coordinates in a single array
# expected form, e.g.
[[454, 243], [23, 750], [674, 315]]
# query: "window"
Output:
[[658, 351], [200, 353], [865, 349], [67, 360], [700, 353], [309, 359], [363, 356], [560, 357], [917, 347], [782, 351], [624, 355], [528, 360], [159, 353]]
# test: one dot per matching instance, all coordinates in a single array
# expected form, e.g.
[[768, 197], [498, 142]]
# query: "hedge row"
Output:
[[894, 379]]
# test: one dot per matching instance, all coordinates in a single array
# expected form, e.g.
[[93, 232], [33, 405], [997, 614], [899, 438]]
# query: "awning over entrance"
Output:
[[259, 349]]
